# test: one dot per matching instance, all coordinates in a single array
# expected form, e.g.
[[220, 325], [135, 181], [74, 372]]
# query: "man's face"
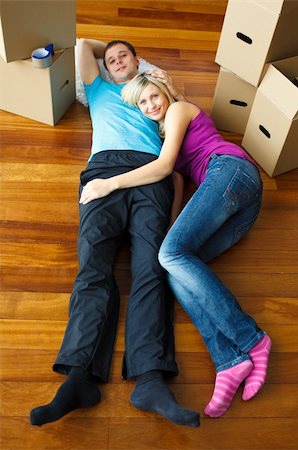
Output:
[[121, 63]]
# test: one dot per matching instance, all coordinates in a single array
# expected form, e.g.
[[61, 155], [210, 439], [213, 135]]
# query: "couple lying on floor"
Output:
[[146, 136]]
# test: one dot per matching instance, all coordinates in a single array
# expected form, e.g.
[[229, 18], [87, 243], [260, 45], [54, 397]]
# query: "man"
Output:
[[122, 140]]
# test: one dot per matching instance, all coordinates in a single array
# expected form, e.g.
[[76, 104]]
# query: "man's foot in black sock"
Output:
[[78, 391], [151, 393]]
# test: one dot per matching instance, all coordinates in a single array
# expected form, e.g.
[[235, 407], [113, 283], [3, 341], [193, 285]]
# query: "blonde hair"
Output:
[[131, 93]]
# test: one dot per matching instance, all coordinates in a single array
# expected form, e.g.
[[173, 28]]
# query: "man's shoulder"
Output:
[[97, 80]]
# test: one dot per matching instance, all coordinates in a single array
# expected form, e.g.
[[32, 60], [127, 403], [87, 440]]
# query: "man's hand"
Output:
[[94, 189], [164, 77]]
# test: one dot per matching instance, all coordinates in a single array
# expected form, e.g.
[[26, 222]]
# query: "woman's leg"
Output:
[[224, 355], [223, 352], [230, 195], [226, 191]]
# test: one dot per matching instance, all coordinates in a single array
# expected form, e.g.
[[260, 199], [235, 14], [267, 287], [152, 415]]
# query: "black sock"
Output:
[[78, 391], [151, 393]]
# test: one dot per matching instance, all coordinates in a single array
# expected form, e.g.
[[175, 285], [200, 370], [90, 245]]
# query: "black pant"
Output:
[[94, 304]]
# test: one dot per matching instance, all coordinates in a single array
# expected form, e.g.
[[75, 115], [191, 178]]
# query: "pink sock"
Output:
[[226, 385], [259, 355]]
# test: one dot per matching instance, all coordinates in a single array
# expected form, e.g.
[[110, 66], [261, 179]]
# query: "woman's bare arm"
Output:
[[177, 120], [178, 181]]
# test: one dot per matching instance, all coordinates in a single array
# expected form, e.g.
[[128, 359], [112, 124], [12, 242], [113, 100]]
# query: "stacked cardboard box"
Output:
[[255, 33], [39, 94], [271, 135]]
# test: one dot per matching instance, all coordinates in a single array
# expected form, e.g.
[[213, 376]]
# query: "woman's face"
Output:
[[153, 103]]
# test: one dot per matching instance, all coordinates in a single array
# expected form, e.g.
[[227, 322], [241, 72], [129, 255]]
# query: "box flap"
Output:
[[279, 86], [273, 5], [287, 66]]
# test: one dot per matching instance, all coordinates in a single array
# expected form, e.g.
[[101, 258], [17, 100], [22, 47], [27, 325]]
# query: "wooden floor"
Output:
[[40, 168]]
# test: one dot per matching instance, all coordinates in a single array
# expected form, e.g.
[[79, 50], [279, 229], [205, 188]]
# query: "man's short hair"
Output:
[[116, 42]]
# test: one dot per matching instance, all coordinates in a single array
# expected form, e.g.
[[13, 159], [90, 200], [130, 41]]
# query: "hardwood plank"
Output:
[[288, 180], [156, 433], [40, 279], [65, 255], [152, 37], [168, 19], [32, 154], [41, 306], [145, 16], [18, 434], [39, 172], [36, 365], [250, 285], [48, 334], [38, 134], [115, 400], [20, 211], [38, 255], [13, 231], [87, 8], [16, 211], [260, 434], [75, 118]]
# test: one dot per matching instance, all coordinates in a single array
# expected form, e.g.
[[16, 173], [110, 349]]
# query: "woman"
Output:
[[221, 211]]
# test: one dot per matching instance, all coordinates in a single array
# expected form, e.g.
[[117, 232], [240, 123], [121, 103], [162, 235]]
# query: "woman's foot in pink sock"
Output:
[[226, 385], [259, 355]]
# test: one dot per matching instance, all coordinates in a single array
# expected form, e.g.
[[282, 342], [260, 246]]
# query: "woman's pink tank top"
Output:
[[201, 140]]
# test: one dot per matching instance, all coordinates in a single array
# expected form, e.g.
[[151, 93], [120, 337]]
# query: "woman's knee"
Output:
[[166, 253]]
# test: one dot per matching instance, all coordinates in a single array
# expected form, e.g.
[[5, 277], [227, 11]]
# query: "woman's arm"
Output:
[[177, 120], [178, 181]]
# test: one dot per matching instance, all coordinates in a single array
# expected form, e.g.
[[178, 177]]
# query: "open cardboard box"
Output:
[[256, 32], [29, 24], [39, 94], [271, 135]]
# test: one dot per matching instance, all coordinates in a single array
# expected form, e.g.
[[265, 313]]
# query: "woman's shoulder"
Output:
[[184, 107]]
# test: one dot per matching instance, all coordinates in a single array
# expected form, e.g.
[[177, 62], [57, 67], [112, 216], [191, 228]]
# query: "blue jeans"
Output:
[[220, 212]]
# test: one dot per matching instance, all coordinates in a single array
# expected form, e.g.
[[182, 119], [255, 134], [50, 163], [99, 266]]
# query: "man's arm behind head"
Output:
[[89, 50]]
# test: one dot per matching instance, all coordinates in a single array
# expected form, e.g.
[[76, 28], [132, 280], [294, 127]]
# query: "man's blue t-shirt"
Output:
[[116, 125]]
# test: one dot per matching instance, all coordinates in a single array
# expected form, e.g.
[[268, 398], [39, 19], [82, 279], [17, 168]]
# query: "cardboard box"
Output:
[[39, 94], [255, 32], [271, 135], [29, 24], [232, 102]]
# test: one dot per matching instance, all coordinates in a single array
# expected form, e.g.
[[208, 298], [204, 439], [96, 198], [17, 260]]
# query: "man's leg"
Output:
[[149, 324], [95, 297], [78, 391], [93, 311]]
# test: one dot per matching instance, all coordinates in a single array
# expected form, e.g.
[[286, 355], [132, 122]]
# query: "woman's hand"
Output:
[[164, 77], [94, 189]]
